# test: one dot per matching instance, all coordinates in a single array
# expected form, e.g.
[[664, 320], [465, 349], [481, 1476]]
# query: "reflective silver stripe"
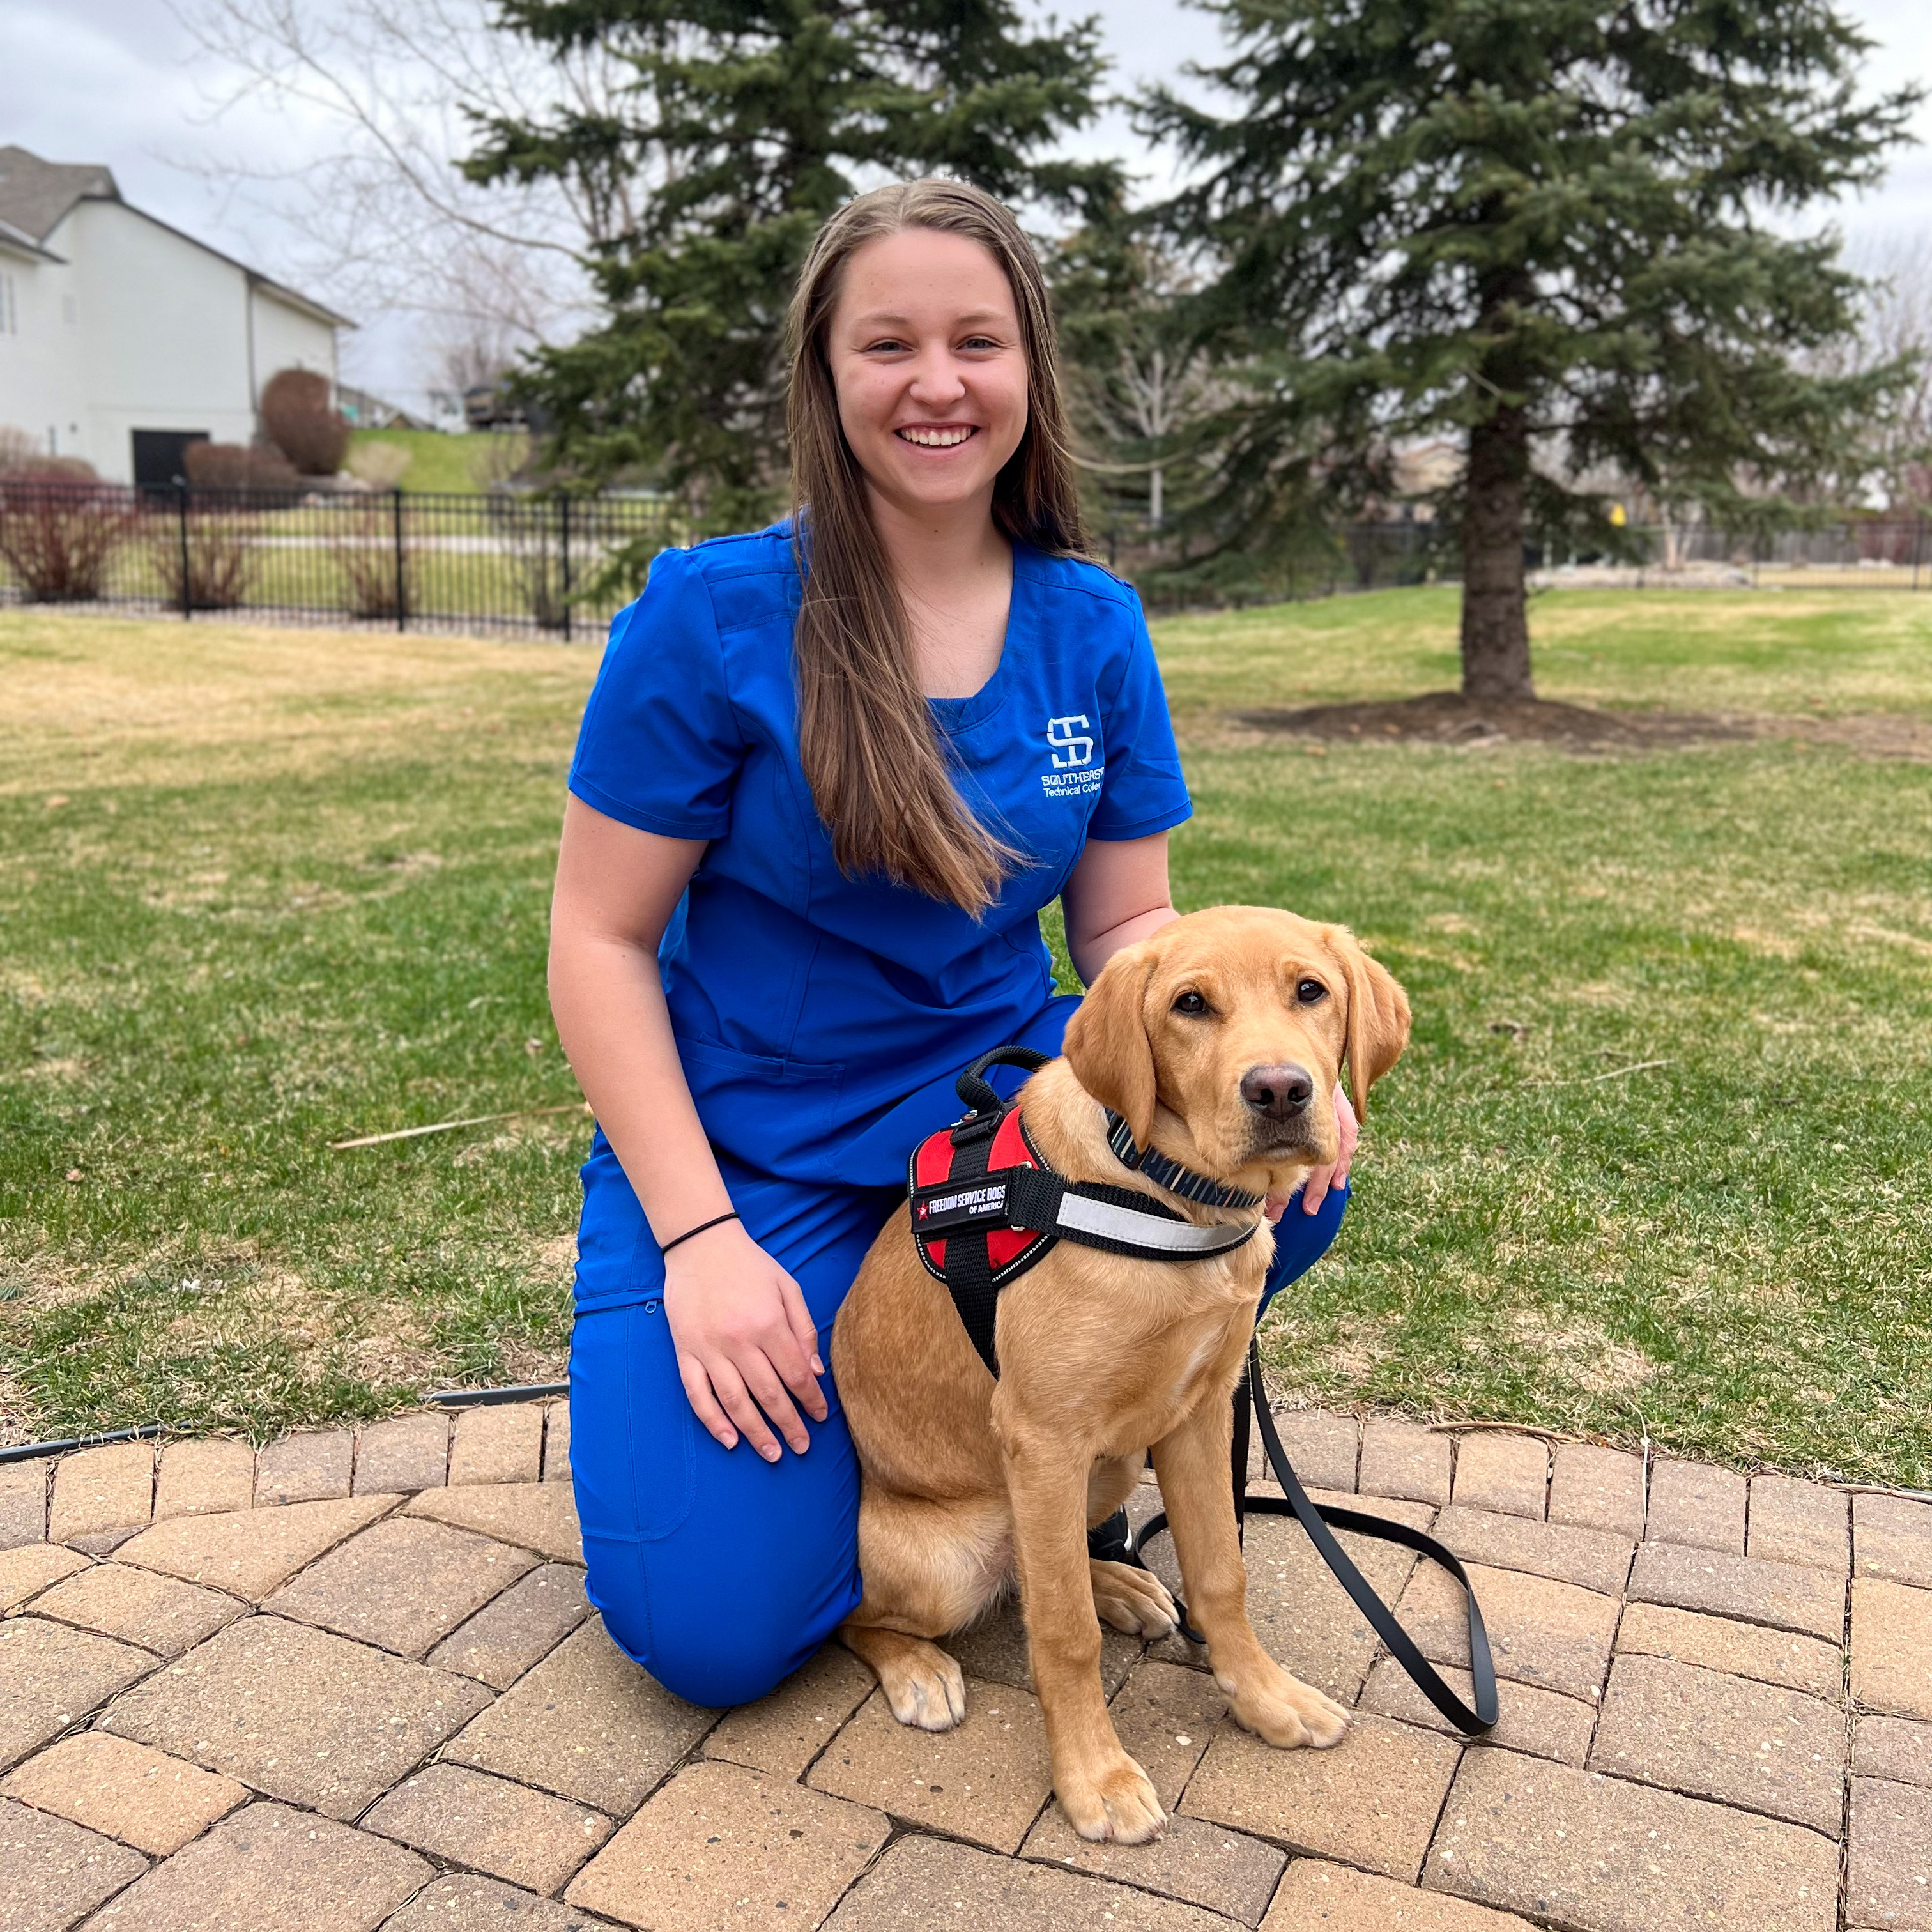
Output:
[[1146, 1231]]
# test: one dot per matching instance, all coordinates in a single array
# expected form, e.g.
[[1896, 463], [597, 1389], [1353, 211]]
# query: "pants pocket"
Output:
[[633, 1447]]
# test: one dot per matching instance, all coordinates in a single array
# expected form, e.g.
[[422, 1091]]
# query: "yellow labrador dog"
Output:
[[1219, 1041]]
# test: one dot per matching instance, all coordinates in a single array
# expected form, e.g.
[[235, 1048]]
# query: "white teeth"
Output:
[[935, 439]]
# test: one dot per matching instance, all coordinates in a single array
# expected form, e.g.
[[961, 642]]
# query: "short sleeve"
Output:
[[1143, 791], [660, 748]]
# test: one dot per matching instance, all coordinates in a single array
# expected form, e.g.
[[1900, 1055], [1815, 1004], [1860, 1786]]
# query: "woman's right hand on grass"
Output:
[[744, 1340]]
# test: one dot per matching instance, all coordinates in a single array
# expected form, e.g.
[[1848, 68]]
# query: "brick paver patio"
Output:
[[351, 1682]]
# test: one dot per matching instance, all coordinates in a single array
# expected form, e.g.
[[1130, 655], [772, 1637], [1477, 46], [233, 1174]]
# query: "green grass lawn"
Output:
[[458, 463], [263, 890]]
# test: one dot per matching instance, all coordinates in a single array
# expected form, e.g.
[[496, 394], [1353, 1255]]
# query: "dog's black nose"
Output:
[[1279, 1092]]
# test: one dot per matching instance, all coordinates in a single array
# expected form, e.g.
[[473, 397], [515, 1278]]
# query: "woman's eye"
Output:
[[1309, 991], [978, 342], [1190, 1002]]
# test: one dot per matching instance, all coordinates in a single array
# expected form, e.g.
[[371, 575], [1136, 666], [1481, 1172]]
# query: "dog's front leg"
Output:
[[1103, 1791], [1192, 1463]]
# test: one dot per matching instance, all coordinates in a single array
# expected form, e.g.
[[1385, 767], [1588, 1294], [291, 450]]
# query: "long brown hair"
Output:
[[878, 771]]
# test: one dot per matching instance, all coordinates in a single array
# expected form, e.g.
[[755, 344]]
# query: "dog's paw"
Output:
[[925, 1688], [1133, 1599], [1287, 1713], [1116, 1804]]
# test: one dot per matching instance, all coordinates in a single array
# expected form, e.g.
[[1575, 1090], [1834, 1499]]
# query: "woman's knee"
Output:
[[712, 1648], [1301, 1239]]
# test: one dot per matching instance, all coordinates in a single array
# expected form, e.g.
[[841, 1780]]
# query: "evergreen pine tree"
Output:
[[752, 120], [1560, 230]]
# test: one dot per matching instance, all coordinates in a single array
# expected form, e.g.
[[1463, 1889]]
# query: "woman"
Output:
[[829, 774]]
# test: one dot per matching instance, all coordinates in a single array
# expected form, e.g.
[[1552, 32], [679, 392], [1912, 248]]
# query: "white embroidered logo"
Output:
[[1061, 735]]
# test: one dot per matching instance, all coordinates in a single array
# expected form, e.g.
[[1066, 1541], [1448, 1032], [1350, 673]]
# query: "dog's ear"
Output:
[[1378, 1016], [1107, 1044]]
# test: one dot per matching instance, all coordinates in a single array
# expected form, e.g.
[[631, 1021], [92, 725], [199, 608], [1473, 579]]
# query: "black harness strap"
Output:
[[1320, 1521]]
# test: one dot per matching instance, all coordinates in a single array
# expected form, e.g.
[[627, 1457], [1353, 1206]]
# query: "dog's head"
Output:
[[1221, 1037]]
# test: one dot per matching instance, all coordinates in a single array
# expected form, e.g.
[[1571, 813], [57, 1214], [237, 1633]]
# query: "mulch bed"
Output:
[[1447, 718]]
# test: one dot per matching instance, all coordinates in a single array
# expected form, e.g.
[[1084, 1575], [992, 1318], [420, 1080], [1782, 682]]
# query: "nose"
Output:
[[1279, 1092]]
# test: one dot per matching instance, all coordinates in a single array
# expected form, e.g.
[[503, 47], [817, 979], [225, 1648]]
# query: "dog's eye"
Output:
[[1190, 1002], [1309, 991]]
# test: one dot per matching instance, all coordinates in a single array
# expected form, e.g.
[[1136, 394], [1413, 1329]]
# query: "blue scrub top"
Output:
[[807, 1005]]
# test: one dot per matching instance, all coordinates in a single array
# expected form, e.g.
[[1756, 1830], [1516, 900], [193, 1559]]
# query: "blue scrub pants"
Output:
[[717, 1572]]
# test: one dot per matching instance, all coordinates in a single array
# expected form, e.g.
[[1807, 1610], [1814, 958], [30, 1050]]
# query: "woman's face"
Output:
[[926, 358]]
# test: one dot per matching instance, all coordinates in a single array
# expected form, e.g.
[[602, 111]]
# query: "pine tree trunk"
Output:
[[1496, 615]]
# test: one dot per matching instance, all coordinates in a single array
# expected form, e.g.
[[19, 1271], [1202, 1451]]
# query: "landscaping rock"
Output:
[[1372, 1801], [1573, 1849], [144, 1797], [587, 1724], [509, 1634], [722, 1845], [507, 1830], [268, 1869], [297, 1713], [985, 1781], [204, 1478]]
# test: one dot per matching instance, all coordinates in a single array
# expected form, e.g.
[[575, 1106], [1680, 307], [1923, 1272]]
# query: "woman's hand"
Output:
[[744, 1341], [1315, 1189]]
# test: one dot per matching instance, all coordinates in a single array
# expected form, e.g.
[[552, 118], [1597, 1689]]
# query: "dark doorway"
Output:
[[160, 456]]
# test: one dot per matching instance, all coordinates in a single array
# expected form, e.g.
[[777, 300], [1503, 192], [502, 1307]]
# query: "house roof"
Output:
[[34, 194], [37, 196]]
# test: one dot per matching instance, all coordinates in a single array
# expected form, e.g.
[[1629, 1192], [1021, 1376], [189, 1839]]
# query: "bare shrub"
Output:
[[231, 466], [380, 465], [58, 535], [362, 534], [205, 564], [298, 420]]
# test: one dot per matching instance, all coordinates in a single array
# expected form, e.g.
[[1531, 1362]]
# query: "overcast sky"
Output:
[[120, 82]]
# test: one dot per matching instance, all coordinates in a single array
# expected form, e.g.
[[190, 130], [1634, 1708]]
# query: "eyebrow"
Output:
[[879, 318]]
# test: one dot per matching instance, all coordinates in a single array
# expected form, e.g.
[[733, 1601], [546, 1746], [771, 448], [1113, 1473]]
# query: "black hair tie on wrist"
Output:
[[689, 1234]]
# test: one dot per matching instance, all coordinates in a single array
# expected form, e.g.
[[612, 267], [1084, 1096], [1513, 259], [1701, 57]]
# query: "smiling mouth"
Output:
[[936, 436]]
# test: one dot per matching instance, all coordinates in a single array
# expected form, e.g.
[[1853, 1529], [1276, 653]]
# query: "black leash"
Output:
[[1320, 1521]]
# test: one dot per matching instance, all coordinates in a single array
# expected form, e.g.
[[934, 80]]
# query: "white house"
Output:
[[121, 339]]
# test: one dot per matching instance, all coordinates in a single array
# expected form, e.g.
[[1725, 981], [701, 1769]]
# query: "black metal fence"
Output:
[[560, 566], [403, 560]]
